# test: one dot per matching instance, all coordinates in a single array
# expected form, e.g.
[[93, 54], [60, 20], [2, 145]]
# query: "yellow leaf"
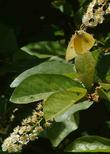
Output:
[[80, 43]]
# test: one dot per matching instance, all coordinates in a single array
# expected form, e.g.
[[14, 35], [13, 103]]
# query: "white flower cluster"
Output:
[[95, 13], [28, 131]]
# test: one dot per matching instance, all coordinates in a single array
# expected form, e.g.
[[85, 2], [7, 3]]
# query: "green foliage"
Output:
[[33, 41], [38, 87], [45, 49], [49, 67], [85, 65], [89, 144], [66, 122], [59, 130], [59, 102]]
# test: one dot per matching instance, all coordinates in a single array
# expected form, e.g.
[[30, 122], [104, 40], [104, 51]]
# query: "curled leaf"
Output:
[[80, 43]]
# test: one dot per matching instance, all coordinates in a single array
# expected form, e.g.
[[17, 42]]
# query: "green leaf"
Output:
[[103, 94], [73, 109], [108, 77], [85, 65], [59, 130], [89, 144], [105, 86], [61, 101], [66, 123], [104, 91], [49, 67], [40, 86], [45, 49]]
